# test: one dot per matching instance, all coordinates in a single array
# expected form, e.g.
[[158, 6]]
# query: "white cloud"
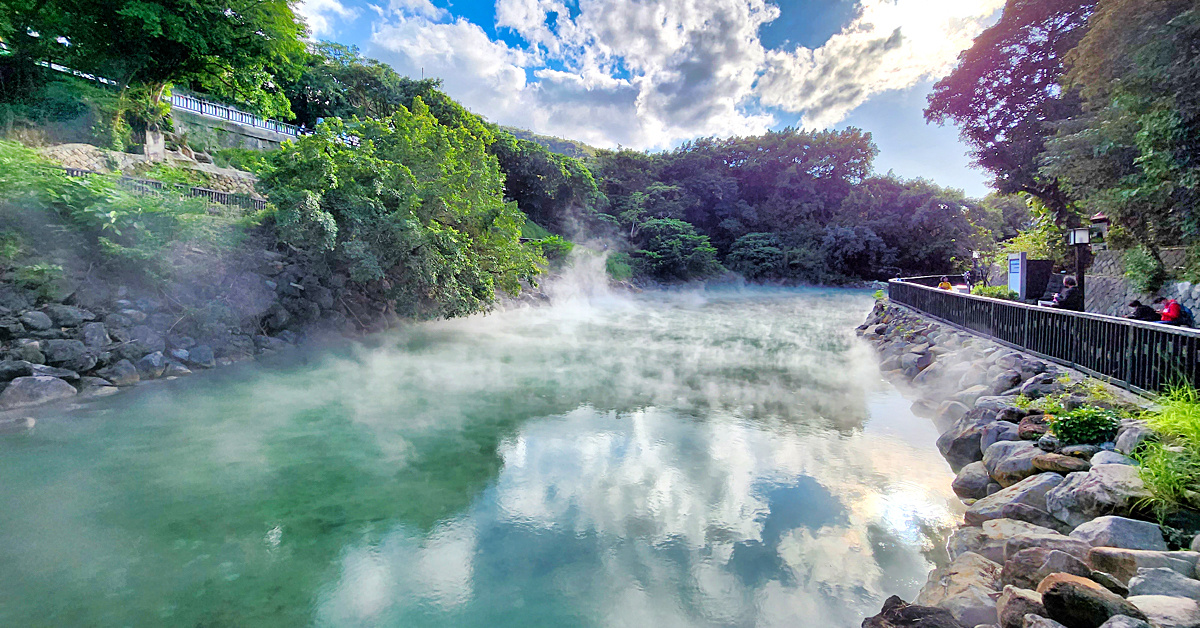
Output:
[[893, 44], [320, 14], [649, 74]]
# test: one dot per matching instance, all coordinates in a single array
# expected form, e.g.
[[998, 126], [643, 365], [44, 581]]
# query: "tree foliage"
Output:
[[1007, 98], [237, 49], [408, 204]]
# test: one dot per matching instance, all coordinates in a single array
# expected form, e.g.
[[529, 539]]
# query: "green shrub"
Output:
[[406, 202], [247, 159], [45, 279], [880, 295], [756, 256], [619, 266], [555, 249], [995, 292], [1085, 425], [673, 251], [1144, 273]]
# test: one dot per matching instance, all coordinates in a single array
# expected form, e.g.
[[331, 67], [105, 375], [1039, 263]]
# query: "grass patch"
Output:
[[1171, 468]]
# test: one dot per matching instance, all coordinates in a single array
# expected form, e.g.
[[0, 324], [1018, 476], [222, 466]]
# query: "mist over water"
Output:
[[670, 459]]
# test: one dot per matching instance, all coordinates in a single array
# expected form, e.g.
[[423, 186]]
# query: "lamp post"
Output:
[[1080, 238]]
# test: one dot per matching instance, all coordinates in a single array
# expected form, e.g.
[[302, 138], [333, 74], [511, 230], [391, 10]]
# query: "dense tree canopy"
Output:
[[238, 49], [408, 203], [1006, 96]]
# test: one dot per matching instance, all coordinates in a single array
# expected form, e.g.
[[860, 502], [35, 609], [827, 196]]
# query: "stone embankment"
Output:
[[94, 336], [1053, 535]]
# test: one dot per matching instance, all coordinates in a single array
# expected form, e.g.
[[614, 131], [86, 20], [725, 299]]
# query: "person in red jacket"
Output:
[[1169, 310]]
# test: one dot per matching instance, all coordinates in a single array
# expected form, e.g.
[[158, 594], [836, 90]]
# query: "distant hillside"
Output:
[[570, 148]]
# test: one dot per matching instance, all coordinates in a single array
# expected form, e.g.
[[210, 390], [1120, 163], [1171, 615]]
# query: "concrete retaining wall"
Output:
[[210, 134]]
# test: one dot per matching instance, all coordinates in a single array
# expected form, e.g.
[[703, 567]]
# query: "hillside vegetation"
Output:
[[404, 189]]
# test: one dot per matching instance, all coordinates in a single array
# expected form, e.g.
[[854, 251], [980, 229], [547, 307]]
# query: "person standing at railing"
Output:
[[1174, 313], [1071, 298], [945, 284]]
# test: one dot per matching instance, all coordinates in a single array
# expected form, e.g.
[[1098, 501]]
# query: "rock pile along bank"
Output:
[[1054, 535]]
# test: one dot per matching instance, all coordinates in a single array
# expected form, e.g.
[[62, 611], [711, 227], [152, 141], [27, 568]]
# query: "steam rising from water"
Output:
[[664, 459]]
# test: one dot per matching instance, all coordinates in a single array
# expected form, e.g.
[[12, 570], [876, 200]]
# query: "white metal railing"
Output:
[[225, 112]]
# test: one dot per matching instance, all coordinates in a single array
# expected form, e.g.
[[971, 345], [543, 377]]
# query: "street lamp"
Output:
[[1080, 238]]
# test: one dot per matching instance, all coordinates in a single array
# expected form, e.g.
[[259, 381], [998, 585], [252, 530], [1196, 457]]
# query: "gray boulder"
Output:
[[175, 369], [1054, 541], [66, 315], [1028, 567], [897, 613], [69, 354], [1108, 489], [1031, 491], [1112, 457], [1113, 531], [1080, 602], [995, 432], [123, 373], [965, 587], [1123, 621], [1009, 462], [1123, 564], [50, 371], [996, 402], [1168, 612], [1162, 581], [1037, 621], [959, 445], [34, 390], [1036, 516], [148, 339], [1041, 386], [12, 369], [95, 335], [151, 366], [1014, 604], [1132, 436], [36, 321], [1059, 463], [202, 356], [972, 481]]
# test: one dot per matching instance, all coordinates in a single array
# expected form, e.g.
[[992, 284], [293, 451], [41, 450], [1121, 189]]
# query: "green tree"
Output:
[[671, 250], [406, 204], [555, 191], [1006, 97]]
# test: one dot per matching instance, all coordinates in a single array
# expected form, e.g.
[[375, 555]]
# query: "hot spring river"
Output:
[[693, 459]]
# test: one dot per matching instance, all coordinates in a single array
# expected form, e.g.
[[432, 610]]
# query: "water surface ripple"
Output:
[[686, 459]]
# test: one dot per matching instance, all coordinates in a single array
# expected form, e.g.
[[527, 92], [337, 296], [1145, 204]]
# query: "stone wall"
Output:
[[96, 159], [211, 134], [1107, 291]]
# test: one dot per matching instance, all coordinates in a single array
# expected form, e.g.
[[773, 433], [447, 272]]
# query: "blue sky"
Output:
[[649, 74]]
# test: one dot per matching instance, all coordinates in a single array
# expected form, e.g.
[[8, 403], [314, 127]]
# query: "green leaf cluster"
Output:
[[1084, 425], [995, 292], [408, 204]]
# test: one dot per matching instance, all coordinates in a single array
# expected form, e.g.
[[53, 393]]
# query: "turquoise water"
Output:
[[692, 459]]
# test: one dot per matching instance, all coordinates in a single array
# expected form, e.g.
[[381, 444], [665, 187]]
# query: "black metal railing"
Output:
[[1145, 357], [160, 188]]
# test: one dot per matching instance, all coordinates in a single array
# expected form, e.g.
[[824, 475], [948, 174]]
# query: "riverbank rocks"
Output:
[[1028, 567], [1030, 491], [990, 539], [1112, 457], [36, 321], [1078, 602], [972, 481], [1113, 531], [897, 613], [1009, 462], [123, 373], [964, 588], [34, 390], [1033, 427], [1123, 564], [1107, 489], [1131, 436], [1162, 581], [1015, 603], [960, 444], [1059, 463], [1168, 612]]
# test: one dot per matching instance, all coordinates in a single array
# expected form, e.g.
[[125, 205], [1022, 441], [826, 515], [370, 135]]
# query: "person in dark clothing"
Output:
[[1143, 312], [1071, 298]]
